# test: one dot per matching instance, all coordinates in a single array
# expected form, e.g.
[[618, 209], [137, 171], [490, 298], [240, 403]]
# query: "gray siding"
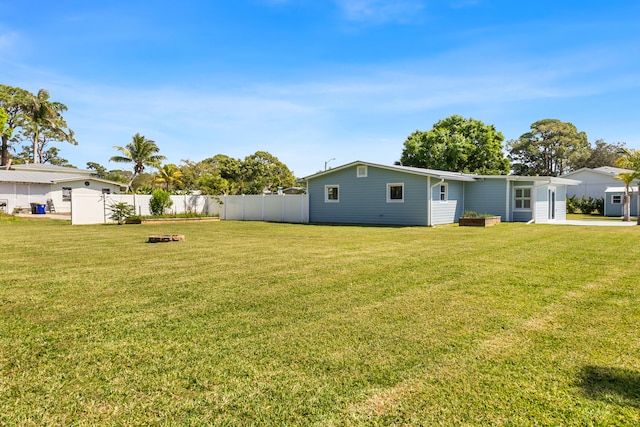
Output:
[[611, 209], [447, 212], [364, 200], [487, 197]]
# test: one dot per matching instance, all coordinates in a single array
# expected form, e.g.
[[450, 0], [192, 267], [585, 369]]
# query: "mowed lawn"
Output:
[[248, 323]]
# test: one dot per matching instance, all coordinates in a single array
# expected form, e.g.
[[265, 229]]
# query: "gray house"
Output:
[[369, 193]]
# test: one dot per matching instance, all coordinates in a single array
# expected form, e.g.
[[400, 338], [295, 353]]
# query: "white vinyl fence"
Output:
[[95, 209]]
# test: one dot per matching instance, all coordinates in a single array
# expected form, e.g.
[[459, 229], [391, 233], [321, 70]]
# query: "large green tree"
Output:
[[12, 100], [629, 159], [142, 152], [550, 148], [263, 171], [601, 154], [457, 144], [44, 123]]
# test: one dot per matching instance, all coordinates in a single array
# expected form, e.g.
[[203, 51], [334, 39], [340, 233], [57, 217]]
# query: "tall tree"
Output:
[[629, 159], [44, 122], [601, 153], [552, 148], [459, 145], [262, 171], [12, 100], [169, 175], [142, 152]]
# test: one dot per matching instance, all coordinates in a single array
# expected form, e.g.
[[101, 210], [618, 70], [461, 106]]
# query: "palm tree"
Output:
[[627, 178], [44, 115], [629, 159], [169, 175], [142, 152]]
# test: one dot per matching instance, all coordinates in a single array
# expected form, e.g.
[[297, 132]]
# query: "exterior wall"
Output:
[[541, 204], [20, 196], [487, 197], [616, 209], [94, 187], [446, 212], [561, 202], [364, 200], [593, 184]]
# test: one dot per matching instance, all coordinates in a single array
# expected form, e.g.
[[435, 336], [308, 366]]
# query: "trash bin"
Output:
[[34, 208], [41, 208]]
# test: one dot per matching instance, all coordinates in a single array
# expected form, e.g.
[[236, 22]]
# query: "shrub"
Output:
[[121, 211], [160, 201]]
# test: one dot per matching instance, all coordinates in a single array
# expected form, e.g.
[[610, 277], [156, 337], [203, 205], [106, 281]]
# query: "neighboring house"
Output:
[[22, 185], [594, 182], [613, 201], [369, 193]]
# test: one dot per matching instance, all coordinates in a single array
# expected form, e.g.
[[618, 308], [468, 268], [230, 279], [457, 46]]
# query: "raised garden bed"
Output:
[[167, 220], [479, 221]]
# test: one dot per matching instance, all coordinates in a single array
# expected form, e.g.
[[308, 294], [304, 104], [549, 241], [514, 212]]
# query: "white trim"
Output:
[[523, 198], [446, 192], [326, 193], [361, 168], [395, 184]]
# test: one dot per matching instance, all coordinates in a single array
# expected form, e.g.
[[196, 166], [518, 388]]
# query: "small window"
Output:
[[106, 191], [522, 198], [66, 194], [361, 171], [395, 193], [444, 193], [616, 199], [331, 193]]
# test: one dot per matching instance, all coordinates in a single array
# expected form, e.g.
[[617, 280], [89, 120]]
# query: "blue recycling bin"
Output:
[[41, 208]]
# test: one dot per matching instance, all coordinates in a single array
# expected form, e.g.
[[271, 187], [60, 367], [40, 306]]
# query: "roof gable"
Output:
[[454, 176]]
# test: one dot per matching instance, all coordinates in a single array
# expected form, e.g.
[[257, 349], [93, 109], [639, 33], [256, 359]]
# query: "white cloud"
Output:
[[380, 11]]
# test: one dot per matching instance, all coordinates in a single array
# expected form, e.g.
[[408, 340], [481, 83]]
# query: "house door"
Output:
[[552, 203]]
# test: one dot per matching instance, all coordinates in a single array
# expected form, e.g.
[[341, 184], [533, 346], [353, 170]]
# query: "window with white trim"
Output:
[[66, 194], [616, 199], [361, 171], [444, 192], [331, 193], [395, 193], [522, 198]]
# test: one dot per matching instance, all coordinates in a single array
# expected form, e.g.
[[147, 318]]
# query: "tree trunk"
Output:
[[625, 207]]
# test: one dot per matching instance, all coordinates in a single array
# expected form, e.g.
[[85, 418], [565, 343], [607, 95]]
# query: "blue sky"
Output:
[[313, 80]]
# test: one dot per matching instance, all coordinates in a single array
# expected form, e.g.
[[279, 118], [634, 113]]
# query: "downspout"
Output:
[[506, 200], [431, 187]]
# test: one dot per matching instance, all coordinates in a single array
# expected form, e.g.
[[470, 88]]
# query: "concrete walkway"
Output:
[[619, 223]]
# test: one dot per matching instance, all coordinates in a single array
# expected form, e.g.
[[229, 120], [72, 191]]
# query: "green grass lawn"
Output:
[[248, 323]]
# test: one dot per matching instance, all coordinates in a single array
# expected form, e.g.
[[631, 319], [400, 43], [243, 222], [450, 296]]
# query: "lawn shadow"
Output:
[[613, 385]]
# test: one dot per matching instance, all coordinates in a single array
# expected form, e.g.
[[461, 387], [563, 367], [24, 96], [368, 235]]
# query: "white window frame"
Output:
[[66, 194], [522, 198], [326, 194], [443, 192], [613, 199], [361, 171], [391, 185]]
